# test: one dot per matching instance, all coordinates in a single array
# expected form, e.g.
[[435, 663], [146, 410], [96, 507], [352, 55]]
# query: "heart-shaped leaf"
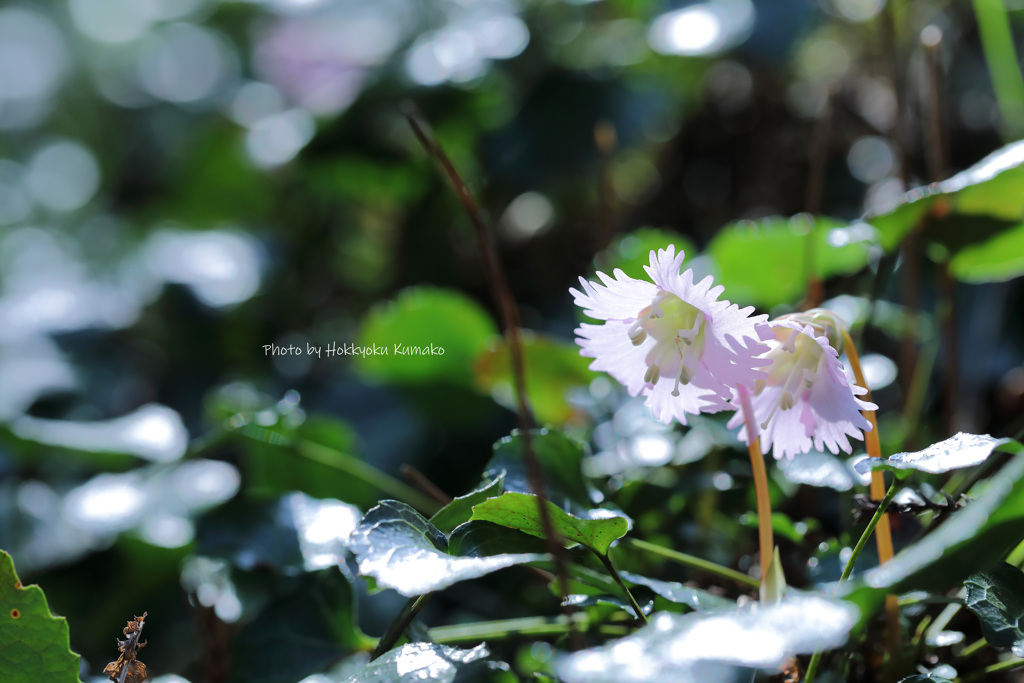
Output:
[[416, 662], [997, 598], [460, 510], [34, 644], [400, 549], [705, 646], [521, 511], [956, 452]]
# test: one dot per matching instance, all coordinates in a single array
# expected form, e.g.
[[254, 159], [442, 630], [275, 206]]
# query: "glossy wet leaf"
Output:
[[417, 662], [997, 598], [561, 459], [484, 539], [972, 539], [991, 188], [447, 330], [34, 644], [300, 632], [461, 508], [520, 511], [706, 646], [819, 469], [402, 550], [763, 262], [956, 452], [554, 369], [694, 598]]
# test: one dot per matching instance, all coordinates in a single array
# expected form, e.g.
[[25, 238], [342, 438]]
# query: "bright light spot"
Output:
[[276, 139], [153, 432], [879, 371], [185, 63], [722, 481], [884, 196], [446, 55], [858, 10], [528, 215], [33, 56], [694, 30], [106, 503], [255, 101], [15, 203], [501, 37], [166, 531], [870, 159], [651, 450], [205, 483], [114, 21], [221, 267], [323, 527], [63, 176]]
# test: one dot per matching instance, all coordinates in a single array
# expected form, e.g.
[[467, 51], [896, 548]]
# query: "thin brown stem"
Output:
[[883, 531], [510, 317], [421, 482], [765, 533], [605, 141]]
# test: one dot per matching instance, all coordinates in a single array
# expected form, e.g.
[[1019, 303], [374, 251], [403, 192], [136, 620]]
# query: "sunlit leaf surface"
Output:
[[416, 662], [520, 511], [705, 646], [693, 598], [819, 469], [400, 549], [34, 644], [956, 452]]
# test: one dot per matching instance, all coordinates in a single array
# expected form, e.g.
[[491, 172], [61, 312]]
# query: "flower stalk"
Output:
[[765, 534]]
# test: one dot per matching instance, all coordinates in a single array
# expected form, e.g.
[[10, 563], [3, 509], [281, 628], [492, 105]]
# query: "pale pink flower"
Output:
[[671, 339], [807, 401]]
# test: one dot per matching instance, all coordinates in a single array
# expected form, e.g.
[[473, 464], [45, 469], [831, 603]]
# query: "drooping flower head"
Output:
[[671, 339], [807, 400]]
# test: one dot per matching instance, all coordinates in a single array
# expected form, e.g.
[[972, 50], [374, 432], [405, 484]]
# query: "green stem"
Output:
[[368, 474], [506, 628], [997, 42], [812, 666], [398, 626], [972, 648], [875, 519], [695, 562], [607, 562], [1008, 665]]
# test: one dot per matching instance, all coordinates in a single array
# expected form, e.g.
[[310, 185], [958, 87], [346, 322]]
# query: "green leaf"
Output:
[[631, 252], [400, 549], [998, 259], [34, 644], [554, 369], [300, 633], [484, 539], [993, 188], [694, 598], [561, 460], [997, 598], [460, 510], [956, 452], [417, 662], [764, 262], [710, 646], [972, 539], [520, 511], [425, 335]]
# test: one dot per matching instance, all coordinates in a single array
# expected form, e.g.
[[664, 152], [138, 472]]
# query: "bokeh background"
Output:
[[183, 182]]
